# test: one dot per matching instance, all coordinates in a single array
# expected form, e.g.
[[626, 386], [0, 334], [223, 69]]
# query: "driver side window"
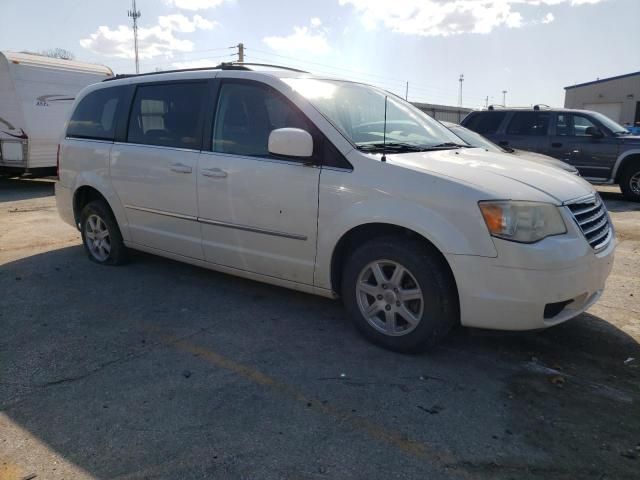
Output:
[[580, 125], [247, 114]]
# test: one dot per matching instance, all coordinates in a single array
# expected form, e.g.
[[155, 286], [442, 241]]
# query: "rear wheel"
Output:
[[100, 234], [400, 294], [630, 181]]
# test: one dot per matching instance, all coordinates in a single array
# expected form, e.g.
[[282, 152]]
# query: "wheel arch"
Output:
[[624, 159], [83, 196], [93, 187], [366, 232]]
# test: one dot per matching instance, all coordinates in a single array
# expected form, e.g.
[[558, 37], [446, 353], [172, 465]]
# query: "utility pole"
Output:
[[504, 98], [486, 102], [461, 79], [406, 93], [240, 52], [135, 15]]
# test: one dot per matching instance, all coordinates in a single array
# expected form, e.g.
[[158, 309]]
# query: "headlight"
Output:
[[525, 222]]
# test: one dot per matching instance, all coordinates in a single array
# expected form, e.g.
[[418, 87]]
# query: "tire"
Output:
[[95, 219], [402, 322], [630, 181]]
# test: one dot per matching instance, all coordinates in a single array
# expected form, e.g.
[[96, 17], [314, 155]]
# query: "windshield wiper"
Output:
[[446, 145], [391, 146]]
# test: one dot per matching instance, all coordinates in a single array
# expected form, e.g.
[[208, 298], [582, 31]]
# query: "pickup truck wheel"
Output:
[[400, 294], [630, 181], [100, 234]]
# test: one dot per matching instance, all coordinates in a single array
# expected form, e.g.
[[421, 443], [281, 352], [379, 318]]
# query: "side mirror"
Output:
[[291, 142], [594, 132]]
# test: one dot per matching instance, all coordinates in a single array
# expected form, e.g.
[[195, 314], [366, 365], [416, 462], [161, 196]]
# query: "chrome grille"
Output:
[[591, 216]]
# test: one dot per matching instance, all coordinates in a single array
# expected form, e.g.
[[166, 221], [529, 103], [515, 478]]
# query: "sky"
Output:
[[530, 48]]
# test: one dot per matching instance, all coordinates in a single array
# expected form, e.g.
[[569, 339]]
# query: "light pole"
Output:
[[504, 98], [461, 79]]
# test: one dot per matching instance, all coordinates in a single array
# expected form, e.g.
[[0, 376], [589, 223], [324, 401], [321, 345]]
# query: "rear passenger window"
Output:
[[95, 115], [246, 115], [485, 122], [529, 123], [168, 115]]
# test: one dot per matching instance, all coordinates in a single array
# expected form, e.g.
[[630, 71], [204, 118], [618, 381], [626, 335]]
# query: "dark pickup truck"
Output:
[[603, 151]]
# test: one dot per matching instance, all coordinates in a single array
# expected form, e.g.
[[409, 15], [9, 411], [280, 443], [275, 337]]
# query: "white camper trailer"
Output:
[[36, 94]]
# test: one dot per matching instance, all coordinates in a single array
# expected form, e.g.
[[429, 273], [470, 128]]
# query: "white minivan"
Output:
[[334, 188]]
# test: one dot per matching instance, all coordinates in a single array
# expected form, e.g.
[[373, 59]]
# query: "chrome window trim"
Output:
[[261, 158], [175, 149]]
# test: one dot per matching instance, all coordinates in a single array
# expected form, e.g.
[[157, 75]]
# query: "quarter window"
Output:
[[245, 116], [529, 123], [95, 115], [486, 122], [169, 115]]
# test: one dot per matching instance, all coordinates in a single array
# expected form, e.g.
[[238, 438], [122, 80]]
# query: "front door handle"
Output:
[[180, 168], [556, 144], [214, 172]]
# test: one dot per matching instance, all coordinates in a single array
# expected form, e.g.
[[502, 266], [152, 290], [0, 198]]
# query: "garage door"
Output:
[[611, 110]]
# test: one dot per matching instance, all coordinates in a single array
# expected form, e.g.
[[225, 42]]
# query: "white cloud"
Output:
[[157, 40], [194, 4], [449, 17], [311, 39], [548, 18], [180, 23]]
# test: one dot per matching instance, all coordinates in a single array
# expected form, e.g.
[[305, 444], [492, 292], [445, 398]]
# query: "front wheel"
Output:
[[630, 181], [400, 294], [100, 235]]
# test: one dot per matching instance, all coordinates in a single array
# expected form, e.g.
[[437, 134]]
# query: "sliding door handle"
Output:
[[180, 168], [213, 172]]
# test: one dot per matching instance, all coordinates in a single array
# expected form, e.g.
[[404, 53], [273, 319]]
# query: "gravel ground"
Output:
[[164, 370]]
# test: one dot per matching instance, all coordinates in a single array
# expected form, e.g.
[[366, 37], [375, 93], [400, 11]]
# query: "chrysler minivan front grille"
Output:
[[591, 216]]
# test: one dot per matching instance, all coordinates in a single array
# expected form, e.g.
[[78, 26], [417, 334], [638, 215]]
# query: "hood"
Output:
[[499, 175], [545, 160]]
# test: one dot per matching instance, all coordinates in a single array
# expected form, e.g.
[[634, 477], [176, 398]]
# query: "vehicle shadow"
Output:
[[615, 202], [12, 189], [163, 370]]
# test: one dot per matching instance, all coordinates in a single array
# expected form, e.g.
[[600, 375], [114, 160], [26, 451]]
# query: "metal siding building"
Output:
[[443, 112], [616, 97]]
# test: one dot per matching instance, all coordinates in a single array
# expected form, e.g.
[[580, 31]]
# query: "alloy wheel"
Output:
[[389, 297], [97, 238]]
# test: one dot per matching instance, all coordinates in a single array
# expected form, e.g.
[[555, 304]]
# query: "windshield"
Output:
[[357, 111], [610, 124], [474, 139]]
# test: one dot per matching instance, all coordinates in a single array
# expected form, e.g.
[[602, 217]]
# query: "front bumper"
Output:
[[511, 291]]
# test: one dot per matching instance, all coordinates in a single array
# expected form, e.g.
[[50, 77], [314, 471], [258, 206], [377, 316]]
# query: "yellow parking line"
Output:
[[439, 459]]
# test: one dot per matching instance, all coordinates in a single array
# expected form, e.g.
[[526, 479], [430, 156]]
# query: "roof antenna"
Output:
[[384, 133]]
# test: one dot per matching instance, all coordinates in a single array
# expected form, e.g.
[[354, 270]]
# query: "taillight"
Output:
[[58, 163]]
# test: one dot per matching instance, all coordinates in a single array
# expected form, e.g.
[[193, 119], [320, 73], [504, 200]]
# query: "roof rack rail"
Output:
[[494, 107], [243, 65], [221, 66], [541, 106]]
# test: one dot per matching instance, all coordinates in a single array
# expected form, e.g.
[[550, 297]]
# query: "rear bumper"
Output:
[[64, 202], [511, 291]]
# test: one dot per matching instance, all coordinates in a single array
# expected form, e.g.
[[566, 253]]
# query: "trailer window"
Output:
[[95, 115]]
